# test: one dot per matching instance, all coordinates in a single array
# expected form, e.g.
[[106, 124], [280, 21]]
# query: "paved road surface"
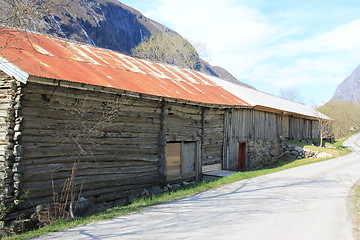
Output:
[[353, 142], [308, 202]]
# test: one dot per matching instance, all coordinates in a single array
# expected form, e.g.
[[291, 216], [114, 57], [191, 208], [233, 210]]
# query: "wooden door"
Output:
[[173, 161], [188, 158], [242, 156]]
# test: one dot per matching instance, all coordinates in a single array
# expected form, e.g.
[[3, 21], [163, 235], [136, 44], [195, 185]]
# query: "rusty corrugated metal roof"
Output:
[[49, 57]]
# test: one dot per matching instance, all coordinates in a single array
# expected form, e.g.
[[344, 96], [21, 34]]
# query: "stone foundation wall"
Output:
[[263, 152]]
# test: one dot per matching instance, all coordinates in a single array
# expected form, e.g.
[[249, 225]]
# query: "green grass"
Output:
[[182, 192]]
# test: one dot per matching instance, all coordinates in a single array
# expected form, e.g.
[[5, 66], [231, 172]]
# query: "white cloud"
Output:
[[345, 37], [225, 25], [261, 51]]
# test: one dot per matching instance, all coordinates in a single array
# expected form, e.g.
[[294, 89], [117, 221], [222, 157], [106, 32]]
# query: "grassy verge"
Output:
[[356, 210], [182, 192]]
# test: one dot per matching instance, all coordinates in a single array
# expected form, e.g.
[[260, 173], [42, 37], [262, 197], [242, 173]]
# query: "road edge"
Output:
[[353, 205]]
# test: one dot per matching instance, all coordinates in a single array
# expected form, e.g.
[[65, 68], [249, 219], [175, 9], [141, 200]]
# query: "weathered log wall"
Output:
[[182, 123], [112, 139], [116, 143], [213, 138], [10, 135]]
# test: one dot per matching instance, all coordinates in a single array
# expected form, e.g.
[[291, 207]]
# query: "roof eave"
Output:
[[84, 86], [293, 114], [13, 71]]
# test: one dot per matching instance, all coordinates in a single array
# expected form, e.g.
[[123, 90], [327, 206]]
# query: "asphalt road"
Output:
[[308, 202]]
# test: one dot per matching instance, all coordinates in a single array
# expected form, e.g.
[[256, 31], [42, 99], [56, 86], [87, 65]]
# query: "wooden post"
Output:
[[161, 144], [198, 173], [199, 157]]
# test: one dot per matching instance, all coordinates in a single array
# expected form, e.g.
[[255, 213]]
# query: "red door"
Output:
[[242, 156]]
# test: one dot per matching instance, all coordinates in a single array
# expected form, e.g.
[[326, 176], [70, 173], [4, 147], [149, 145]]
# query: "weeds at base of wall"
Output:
[[4, 210], [62, 207]]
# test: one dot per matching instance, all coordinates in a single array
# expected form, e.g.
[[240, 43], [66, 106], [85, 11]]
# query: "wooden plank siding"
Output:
[[262, 132]]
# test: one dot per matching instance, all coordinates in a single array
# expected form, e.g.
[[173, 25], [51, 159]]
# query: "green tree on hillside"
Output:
[[167, 48], [346, 116]]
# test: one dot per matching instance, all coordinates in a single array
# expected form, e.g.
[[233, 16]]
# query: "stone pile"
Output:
[[293, 151]]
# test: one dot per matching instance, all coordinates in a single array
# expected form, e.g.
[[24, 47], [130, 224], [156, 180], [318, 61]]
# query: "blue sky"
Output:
[[310, 45]]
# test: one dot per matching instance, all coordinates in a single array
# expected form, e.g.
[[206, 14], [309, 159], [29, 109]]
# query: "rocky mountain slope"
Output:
[[349, 89], [113, 25]]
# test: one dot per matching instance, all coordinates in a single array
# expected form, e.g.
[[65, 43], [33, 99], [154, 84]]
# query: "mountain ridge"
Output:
[[349, 88]]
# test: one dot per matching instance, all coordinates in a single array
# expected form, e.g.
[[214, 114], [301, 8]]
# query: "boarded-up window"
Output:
[[180, 160]]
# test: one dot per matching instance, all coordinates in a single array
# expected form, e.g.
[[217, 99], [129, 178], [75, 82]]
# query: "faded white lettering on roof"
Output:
[[42, 50], [151, 69]]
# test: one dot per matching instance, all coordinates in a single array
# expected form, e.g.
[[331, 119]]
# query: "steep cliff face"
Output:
[[104, 23], [113, 25], [349, 89]]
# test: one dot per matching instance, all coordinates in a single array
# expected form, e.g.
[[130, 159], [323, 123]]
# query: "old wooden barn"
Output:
[[126, 123]]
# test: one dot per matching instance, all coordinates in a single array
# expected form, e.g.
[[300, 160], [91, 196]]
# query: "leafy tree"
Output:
[[168, 48]]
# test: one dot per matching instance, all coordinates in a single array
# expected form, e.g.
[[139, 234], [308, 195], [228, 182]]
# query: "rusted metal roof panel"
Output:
[[49, 57]]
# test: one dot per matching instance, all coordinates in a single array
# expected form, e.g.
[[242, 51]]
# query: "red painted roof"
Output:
[[45, 56]]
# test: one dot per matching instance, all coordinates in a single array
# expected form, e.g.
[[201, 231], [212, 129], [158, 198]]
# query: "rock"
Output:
[[308, 153], [299, 149], [83, 207], [175, 186], [121, 202], [155, 190], [132, 197], [145, 193], [19, 226], [323, 155], [34, 218], [185, 183], [295, 153], [17, 150]]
